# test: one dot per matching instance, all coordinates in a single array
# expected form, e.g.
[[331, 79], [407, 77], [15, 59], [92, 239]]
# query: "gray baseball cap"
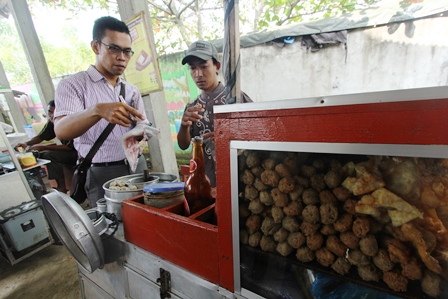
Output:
[[201, 49]]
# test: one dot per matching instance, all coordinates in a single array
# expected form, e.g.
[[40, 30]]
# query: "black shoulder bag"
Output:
[[77, 188]]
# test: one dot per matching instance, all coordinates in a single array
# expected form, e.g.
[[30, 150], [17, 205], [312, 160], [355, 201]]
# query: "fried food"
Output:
[[431, 283], [357, 258], [328, 229], [342, 193], [256, 207], [315, 241], [291, 224], [308, 228], [369, 245], [395, 281], [258, 184], [311, 214], [367, 206], [413, 235], [305, 255], [349, 206], [333, 178], [412, 269], [328, 213], [296, 239], [250, 192], [281, 235], [282, 170], [266, 198], [254, 239], [324, 257], [268, 164], [247, 177], [270, 178], [349, 239], [336, 246], [361, 226], [382, 260], [317, 182], [369, 272], [286, 185], [366, 180], [307, 171], [341, 266], [295, 194], [327, 197], [280, 199], [344, 223], [398, 252], [284, 248], [253, 222], [267, 224], [310, 197], [399, 210], [277, 214], [293, 209], [267, 243]]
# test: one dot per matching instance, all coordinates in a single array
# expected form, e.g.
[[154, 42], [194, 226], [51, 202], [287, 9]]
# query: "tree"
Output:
[[176, 23]]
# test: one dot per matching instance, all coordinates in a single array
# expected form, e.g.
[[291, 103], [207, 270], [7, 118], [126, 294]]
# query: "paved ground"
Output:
[[48, 274]]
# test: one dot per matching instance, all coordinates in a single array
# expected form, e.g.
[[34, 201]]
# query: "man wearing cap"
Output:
[[197, 120]]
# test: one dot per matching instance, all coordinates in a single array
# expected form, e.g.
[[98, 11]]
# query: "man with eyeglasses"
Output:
[[88, 101]]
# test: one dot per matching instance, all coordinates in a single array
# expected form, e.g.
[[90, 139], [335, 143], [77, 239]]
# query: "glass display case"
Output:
[[334, 195]]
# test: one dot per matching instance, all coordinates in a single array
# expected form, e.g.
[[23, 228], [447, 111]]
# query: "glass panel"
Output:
[[329, 225]]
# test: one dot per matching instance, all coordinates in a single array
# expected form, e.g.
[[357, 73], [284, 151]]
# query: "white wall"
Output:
[[375, 60]]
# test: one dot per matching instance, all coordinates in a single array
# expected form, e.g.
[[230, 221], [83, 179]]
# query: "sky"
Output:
[[48, 23]]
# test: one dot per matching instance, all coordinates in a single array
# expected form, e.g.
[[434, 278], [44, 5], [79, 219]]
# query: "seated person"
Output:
[[61, 153]]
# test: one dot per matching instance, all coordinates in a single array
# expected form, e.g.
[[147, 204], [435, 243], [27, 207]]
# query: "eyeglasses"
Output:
[[117, 50]]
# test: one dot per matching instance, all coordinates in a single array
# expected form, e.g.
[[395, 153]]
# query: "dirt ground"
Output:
[[50, 273]]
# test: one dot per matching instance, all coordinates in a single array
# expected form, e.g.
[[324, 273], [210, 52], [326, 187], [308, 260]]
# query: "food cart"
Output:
[[158, 252]]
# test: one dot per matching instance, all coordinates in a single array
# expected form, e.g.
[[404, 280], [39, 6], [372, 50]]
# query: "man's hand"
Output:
[[118, 113], [22, 145], [192, 115]]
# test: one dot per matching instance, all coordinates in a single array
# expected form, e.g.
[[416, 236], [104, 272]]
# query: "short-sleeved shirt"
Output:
[[206, 124], [88, 88], [47, 133]]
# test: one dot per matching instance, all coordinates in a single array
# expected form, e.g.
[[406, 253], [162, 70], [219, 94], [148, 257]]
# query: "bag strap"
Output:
[[96, 146]]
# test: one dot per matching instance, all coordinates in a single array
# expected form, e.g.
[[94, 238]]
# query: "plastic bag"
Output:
[[131, 142]]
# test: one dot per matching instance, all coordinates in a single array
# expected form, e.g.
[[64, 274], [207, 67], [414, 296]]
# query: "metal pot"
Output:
[[114, 206]]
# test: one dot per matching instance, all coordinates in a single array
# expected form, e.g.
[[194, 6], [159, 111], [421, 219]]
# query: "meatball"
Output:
[[326, 197], [252, 160], [369, 245], [282, 170], [293, 209], [361, 227], [280, 199], [254, 239], [257, 171], [270, 178], [253, 222], [258, 184], [294, 195], [311, 214], [305, 255], [267, 243], [255, 206], [333, 178], [369, 272], [349, 206], [250, 192], [281, 235], [395, 281], [315, 241], [244, 210], [349, 239], [357, 258], [286, 185], [317, 182], [342, 193], [344, 223], [382, 260], [284, 248], [277, 214], [267, 224], [307, 171], [291, 224], [310, 197], [247, 177], [266, 198], [412, 269], [296, 239], [431, 283], [328, 229], [328, 213], [398, 252], [341, 266], [301, 181], [336, 246], [309, 229], [268, 164], [325, 257]]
